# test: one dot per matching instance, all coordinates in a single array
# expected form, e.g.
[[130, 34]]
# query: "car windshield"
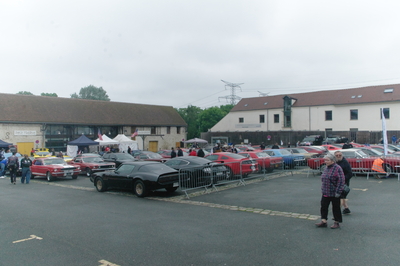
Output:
[[54, 161], [285, 152], [154, 155], [159, 166], [92, 160], [236, 156], [297, 150], [262, 155], [42, 153], [125, 169], [124, 156]]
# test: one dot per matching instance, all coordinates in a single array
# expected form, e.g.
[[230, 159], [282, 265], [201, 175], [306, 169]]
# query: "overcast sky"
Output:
[[177, 52]]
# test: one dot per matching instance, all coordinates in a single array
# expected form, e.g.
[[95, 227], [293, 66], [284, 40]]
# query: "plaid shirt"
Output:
[[332, 181]]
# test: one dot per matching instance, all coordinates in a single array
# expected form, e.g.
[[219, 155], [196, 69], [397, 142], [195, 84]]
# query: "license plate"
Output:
[[220, 173], [176, 184]]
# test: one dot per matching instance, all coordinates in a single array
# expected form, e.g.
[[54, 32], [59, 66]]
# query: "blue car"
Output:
[[289, 160]]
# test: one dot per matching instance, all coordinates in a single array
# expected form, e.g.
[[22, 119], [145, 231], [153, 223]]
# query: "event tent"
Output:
[[4, 144], [196, 140], [125, 142], [106, 141], [83, 141]]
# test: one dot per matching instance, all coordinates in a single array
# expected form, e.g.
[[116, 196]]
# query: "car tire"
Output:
[[171, 189], [74, 176], [229, 173], [49, 177], [100, 184], [140, 189], [88, 172]]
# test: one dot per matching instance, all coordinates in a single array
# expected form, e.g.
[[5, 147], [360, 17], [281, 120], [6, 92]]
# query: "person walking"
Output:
[[348, 174], [180, 152], [332, 186], [13, 166], [26, 164]]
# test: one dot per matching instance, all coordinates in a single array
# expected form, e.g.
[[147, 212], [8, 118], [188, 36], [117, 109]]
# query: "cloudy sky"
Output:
[[177, 52]]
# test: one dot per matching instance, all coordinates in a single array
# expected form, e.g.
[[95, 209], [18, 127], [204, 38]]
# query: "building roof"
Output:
[[56, 110], [372, 94]]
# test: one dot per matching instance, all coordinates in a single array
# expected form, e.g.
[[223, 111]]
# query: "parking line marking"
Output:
[[107, 263], [26, 239]]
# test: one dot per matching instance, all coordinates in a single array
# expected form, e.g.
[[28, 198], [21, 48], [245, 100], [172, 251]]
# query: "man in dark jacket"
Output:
[[13, 166], [348, 174], [173, 153], [200, 153], [26, 163], [180, 152]]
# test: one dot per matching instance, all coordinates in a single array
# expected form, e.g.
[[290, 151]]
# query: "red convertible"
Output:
[[92, 164], [237, 164], [53, 167], [265, 162], [359, 161]]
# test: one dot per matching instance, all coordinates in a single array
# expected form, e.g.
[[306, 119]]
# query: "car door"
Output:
[[122, 177]]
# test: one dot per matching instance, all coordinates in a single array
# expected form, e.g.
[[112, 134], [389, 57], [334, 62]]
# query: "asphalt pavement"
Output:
[[265, 222]]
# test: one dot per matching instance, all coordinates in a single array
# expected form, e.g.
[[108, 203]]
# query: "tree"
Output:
[[210, 117], [92, 93], [191, 116], [25, 93], [49, 94]]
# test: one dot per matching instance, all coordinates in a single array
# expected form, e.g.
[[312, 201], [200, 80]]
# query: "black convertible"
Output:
[[140, 176]]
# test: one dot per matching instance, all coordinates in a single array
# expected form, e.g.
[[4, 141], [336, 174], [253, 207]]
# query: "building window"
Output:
[[354, 114], [178, 130], [168, 130], [328, 115], [241, 119], [153, 130], [386, 112], [276, 118], [262, 118]]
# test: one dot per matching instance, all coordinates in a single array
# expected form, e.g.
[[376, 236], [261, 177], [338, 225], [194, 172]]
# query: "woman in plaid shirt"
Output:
[[332, 186]]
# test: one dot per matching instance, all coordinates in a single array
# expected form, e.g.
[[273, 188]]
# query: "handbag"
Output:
[[345, 191]]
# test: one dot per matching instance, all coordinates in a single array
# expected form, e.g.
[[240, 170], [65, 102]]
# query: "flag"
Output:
[[99, 134], [135, 133], [384, 133]]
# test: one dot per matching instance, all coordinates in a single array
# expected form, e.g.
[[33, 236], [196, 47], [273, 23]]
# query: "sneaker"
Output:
[[335, 226], [1, 176], [346, 211]]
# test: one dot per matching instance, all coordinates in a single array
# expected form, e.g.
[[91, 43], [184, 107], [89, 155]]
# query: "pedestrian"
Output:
[[60, 155], [33, 152], [348, 174], [13, 166], [200, 153], [180, 152], [394, 139], [332, 186], [173, 153], [288, 144], [347, 145], [129, 150], [53, 152], [192, 152], [3, 164], [262, 146], [26, 164], [275, 146]]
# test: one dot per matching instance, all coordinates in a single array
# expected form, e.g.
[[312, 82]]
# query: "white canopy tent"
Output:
[[106, 141], [125, 142]]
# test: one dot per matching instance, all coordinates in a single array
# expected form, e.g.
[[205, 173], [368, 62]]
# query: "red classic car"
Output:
[[237, 164], [265, 162], [92, 164], [53, 167], [359, 161]]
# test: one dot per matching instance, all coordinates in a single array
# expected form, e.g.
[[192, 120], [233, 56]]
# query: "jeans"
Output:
[[2, 169], [26, 175], [13, 174]]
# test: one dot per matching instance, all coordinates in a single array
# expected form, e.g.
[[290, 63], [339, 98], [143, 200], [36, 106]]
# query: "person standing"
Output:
[[26, 164], [192, 152], [200, 153], [3, 164], [173, 153], [129, 150], [13, 166], [348, 174], [275, 146], [180, 152], [332, 186], [262, 146], [394, 139]]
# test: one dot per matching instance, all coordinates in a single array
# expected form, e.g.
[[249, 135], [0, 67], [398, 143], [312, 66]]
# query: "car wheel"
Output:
[[322, 168], [140, 188], [100, 184], [388, 169], [229, 173], [88, 172], [49, 177], [171, 189], [74, 176], [32, 177]]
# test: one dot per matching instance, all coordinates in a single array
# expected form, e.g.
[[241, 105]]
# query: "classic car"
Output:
[[92, 164], [237, 165], [140, 176], [53, 167], [359, 161], [265, 162], [197, 171], [299, 151], [149, 156], [118, 158], [289, 160]]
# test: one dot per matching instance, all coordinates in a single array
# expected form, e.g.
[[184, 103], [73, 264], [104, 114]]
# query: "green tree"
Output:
[[92, 93], [49, 94], [226, 108], [25, 93], [191, 117], [210, 117]]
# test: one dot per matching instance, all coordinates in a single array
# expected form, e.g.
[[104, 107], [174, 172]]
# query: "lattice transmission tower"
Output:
[[233, 87]]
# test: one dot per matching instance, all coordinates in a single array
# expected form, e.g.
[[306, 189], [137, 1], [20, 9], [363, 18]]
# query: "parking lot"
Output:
[[264, 222]]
